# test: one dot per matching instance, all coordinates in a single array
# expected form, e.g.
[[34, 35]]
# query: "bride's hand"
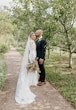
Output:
[[34, 61]]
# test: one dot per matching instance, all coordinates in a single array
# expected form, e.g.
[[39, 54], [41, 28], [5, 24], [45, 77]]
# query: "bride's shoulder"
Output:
[[32, 42]]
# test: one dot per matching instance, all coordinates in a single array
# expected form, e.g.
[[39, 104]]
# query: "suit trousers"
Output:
[[42, 73]]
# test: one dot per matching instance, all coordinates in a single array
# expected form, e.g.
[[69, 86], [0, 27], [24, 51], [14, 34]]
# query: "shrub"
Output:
[[3, 72], [3, 48]]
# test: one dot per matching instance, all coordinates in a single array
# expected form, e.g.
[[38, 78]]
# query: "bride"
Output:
[[27, 78]]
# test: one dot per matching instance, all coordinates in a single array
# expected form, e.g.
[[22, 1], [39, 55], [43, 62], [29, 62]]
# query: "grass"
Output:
[[3, 71], [20, 50], [1, 56], [62, 77], [59, 75]]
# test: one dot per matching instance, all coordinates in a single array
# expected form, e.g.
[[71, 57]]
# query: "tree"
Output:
[[23, 18], [6, 30], [64, 13], [32, 15], [6, 26]]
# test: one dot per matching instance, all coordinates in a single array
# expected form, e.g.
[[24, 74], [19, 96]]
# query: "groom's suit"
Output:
[[41, 49]]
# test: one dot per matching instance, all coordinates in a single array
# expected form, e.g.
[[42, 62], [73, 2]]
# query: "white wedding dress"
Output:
[[26, 79]]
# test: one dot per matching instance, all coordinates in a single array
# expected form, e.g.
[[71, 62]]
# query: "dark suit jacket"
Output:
[[41, 48]]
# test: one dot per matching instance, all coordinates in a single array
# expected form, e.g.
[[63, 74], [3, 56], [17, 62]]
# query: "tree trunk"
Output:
[[69, 44], [60, 52], [70, 60], [48, 53]]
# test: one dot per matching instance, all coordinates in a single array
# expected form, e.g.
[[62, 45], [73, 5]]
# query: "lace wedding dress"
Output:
[[26, 79]]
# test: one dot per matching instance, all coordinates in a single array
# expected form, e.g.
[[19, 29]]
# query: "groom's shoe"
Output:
[[41, 84]]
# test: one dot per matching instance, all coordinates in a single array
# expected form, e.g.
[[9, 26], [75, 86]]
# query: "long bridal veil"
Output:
[[23, 92]]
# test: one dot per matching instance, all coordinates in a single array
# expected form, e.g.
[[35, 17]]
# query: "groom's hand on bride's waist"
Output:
[[41, 61]]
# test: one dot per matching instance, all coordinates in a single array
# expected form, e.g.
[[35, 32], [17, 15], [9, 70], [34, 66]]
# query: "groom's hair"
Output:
[[39, 31]]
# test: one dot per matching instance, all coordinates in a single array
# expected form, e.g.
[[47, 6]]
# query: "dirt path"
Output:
[[48, 98]]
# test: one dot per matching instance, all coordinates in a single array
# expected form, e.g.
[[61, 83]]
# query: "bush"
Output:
[[3, 48], [3, 72]]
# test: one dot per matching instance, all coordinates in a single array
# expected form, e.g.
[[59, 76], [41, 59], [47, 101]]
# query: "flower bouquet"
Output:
[[33, 67]]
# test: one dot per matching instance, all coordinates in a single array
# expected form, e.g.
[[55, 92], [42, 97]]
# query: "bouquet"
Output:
[[33, 67]]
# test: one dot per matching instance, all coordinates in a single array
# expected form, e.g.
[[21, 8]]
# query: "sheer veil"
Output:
[[23, 92]]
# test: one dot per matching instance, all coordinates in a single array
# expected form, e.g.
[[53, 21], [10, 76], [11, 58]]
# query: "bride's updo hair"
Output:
[[31, 33]]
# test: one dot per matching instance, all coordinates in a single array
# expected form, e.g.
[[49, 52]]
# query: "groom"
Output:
[[41, 49]]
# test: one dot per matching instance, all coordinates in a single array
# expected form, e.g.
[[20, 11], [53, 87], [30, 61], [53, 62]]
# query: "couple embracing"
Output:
[[35, 54]]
